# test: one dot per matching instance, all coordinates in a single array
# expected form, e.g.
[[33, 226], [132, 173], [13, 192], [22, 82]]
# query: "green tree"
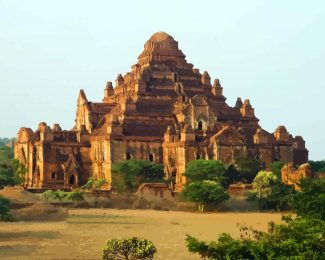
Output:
[[263, 183], [199, 170], [247, 169], [310, 200], [296, 239], [276, 168], [129, 249], [12, 173], [128, 175], [204, 193], [4, 209]]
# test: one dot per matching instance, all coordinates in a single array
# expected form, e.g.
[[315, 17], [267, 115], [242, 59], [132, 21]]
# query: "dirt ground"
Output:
[[85, 231]]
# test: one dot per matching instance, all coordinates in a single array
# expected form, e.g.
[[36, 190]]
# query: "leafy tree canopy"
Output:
[[247, 169], [129, 249], [310, 200], [263, 183], [130, 174], [199, 170], [296, 239], [317, 166], [276, 168], [205, 192]]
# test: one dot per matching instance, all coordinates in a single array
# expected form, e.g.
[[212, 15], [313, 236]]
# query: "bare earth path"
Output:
[[84, 233]]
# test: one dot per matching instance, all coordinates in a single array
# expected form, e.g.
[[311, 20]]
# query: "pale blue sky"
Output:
[[272, 52]]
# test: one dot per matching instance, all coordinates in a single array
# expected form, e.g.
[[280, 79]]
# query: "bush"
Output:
[[276, 168], [60, 195], [296, 239], [204, 193], [4, 209], [94, 184], [128, 248], [128, 175], [199, 170], [310, 200]]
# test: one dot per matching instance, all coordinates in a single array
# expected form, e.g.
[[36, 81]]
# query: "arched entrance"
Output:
[[72, 180], [200, 125]]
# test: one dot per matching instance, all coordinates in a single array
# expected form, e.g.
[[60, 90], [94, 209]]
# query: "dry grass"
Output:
[[84, 233]]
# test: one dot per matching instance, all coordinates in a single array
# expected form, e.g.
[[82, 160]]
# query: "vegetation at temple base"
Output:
[[317, 166], [204, 193], [12, 173], [128, 175], [298, 238], [60, 196], [129, 249], [199, 170], [4, 209], [94, 184]]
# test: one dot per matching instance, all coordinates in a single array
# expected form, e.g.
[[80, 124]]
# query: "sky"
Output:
[[272, 52]]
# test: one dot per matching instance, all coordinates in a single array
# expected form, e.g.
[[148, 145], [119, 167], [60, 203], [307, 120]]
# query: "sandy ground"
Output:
[[84, 233]]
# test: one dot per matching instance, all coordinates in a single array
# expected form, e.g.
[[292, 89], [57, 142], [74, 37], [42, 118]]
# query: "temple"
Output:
[[164, 111]]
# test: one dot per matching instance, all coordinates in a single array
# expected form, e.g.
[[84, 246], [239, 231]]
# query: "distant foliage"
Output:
[[4, 209], [128, 175], [317, 166], [204, 193], [199, 170], [310, 200], [129, 249], [296, 239]]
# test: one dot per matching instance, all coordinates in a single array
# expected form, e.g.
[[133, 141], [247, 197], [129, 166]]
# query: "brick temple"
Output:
[[164, 110]]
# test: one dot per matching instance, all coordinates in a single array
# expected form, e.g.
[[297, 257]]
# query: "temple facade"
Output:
[[164, 111]]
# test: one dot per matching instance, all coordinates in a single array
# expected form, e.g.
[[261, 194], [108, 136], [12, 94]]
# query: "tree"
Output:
[[263, 183], [130, 174], [12, 173], [317, 166], [60, 196], [204, 193], [310, 200], [276, 168], [4, 209], [128, 248], [247, 169], [296, 239], [199, 170]]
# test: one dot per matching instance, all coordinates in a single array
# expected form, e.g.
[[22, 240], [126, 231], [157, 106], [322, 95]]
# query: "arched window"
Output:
[[53, 175], [128, 156], [150, 157], [198, 156]]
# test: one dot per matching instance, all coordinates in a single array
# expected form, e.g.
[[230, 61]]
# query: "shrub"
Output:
[[4, 209], [296, 239], [128, 248], [243, 170], [310, 200], [204, 193]]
